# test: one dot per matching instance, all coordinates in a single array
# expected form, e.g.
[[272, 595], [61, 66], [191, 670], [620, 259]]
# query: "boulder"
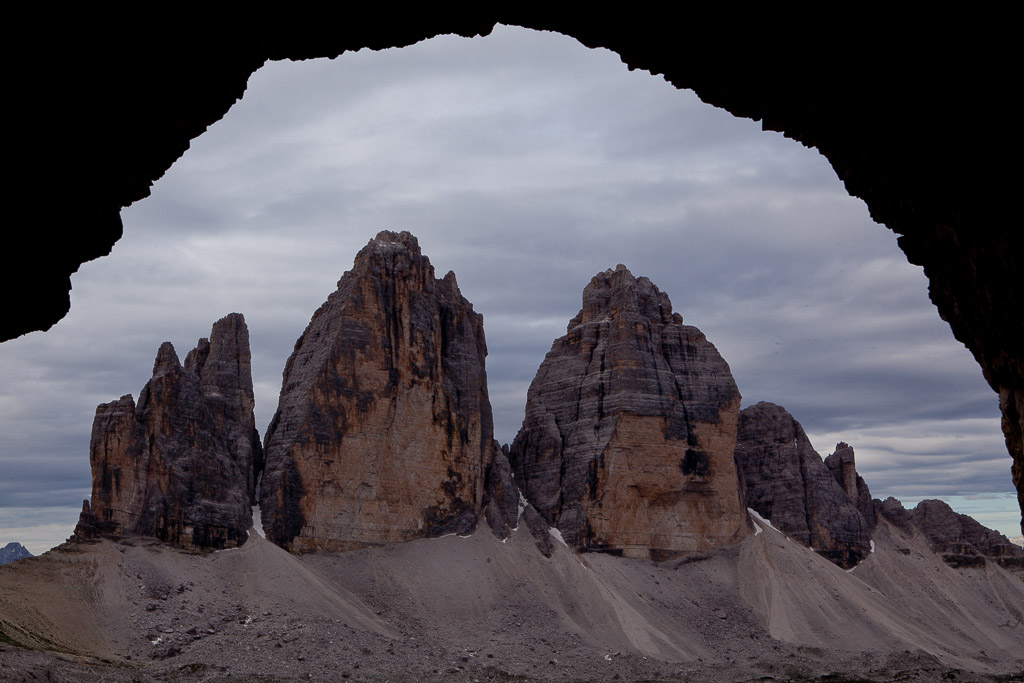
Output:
[[627, 443]]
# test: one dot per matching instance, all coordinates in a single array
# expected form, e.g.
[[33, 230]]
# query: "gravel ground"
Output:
[[476, 609]]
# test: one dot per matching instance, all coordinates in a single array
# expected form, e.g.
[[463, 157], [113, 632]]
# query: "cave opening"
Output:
[[525, 180]]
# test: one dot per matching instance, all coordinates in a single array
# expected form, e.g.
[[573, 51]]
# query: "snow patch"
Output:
[[257, 521], [156, 642], [762, 520], [557, 535], [872, 546], [522, 507]]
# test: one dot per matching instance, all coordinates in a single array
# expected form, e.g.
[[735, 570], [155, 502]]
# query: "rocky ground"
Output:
[[477, 609]]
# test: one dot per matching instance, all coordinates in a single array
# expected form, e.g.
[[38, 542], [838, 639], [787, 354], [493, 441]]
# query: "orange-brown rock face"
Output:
[[179, 466], [384, 431], [627, 445]]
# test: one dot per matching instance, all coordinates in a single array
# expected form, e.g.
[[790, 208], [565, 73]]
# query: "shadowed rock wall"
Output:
[[914, 114], [787, 483]]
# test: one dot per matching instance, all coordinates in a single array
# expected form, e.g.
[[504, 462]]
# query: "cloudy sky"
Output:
[[525, 163]]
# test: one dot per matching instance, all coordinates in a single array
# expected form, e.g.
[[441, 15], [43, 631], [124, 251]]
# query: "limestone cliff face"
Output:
[[179, 466], [383, 432], [627, 444], [960, 539], [787, 482]]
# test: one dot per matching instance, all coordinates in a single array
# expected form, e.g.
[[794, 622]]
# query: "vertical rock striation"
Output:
[[179, 466], [787, 483], [627, 444], [383, 432], [223, 365]]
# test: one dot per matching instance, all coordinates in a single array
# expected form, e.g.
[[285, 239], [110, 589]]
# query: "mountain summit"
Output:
[[383, 432], [180, 465], [627, 444], [12, 552]]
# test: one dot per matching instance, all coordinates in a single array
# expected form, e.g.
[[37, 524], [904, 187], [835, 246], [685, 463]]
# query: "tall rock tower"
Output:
[[627, 444], [180, 466], [843, 466], [383, 432]]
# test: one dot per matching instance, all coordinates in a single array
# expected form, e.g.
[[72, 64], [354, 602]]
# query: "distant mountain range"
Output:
[[668, 533], [633, 442], [13, 551]]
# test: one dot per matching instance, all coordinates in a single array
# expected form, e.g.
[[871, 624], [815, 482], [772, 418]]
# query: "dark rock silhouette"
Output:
[[787, 483], [383, 432], [12, 552], [627, 444], [180, 466]]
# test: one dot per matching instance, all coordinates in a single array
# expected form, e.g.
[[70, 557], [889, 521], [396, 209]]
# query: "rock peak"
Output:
[[843, 465], [390, 242], [180, 466], [12, 552], [627, 444], [229, 330], [616, 292], [390, 255], [166, 359], [383, 431]]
